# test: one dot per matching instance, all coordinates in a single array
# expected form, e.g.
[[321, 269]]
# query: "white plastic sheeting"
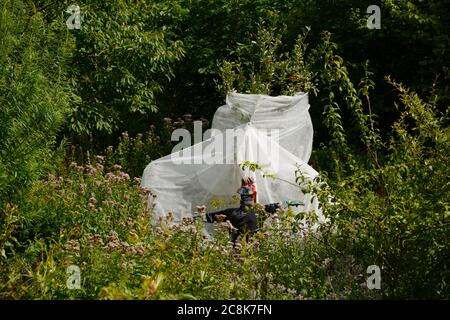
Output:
[[287, 114], [275, 132]]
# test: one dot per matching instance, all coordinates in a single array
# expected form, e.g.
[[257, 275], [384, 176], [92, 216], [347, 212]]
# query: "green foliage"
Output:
[[393, 212], [34, 93], [413, 33], [212, 32], [124, 56], [337, 89], [87, 206], [133, 154], [100, 222], [260, 66]]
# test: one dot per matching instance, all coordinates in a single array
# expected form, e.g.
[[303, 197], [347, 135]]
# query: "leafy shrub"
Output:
[[134, 153], [392, 211], [261, 66], [124, 58], [34, 94]]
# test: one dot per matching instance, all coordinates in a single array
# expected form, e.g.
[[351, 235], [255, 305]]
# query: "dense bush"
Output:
[[124, 57], [34, 93], [390, 207]]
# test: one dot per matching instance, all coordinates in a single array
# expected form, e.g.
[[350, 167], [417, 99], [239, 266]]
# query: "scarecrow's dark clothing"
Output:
[[243, 218]]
